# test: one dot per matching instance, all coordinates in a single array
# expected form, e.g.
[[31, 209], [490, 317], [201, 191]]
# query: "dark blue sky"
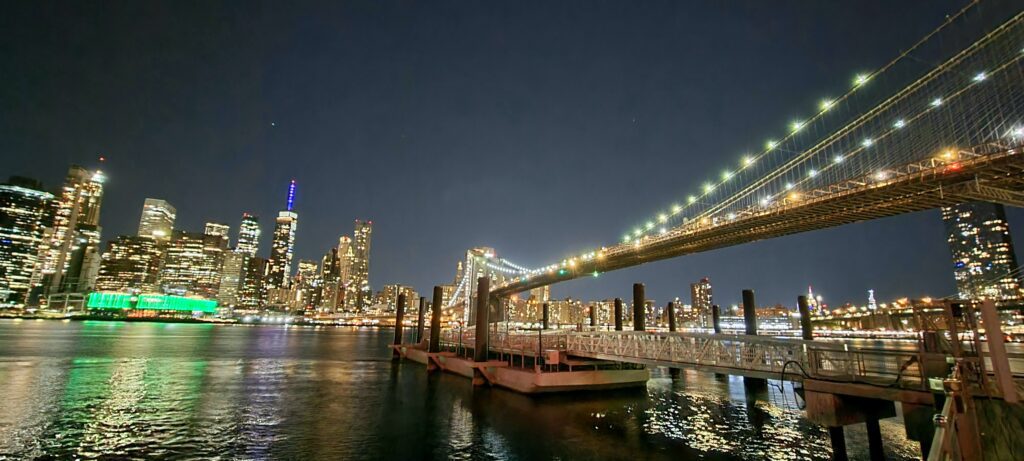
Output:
[[537, 128]]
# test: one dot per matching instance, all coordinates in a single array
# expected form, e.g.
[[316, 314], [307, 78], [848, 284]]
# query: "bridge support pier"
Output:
[[399, 317], [481, 344], [639, 308], [618, 314], [420, 318], [835, 411]]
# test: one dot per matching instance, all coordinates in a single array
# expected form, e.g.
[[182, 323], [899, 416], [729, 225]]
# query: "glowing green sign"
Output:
[[112, 300]]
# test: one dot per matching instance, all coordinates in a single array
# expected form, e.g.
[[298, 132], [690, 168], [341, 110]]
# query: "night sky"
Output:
[[538, 128]]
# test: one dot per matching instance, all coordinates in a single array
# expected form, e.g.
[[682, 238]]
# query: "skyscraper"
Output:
[[192, 264], [357, 286], [283, 248], [24, 215], [75, 228], [701, 300], [231, 278], [984, 264], [253, 291], [131, 263], [157, 219], [219, 230], [248, 235]]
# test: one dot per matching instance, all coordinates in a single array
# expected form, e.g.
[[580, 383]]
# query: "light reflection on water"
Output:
[[142, 390]]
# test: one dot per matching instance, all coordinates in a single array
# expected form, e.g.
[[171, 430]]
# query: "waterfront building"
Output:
[[24, 207], [984, 263], [386, 300], [248, 235], [279, 265], [130, 264], [192, 264], [157, 220], [357, 283], [74, 229], [330, 279], [308, 284]]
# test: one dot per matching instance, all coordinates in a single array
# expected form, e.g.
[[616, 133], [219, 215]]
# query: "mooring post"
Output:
[[805, 318], [481, 347], [546, 316], [419, 319], [750, 321], [593, 315], [618, 314], [749, 312], [671, 316], [639, 317], [399, 316], [838, 437], [716, 318], [483, 301], [435, 320]]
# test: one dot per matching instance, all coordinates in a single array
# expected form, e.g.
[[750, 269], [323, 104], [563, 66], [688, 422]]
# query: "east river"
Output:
[[193, 391]]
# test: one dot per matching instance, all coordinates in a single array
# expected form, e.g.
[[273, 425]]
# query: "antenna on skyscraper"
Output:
[[291, 196]]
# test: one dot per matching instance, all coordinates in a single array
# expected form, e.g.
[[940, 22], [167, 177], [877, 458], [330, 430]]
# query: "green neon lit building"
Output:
[[155, 302]]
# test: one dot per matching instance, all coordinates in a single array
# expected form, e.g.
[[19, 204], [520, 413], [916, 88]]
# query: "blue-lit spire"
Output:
[[291, 195]]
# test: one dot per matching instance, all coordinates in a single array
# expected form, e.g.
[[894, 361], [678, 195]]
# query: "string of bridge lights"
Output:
[[859, 81], [748, 160]]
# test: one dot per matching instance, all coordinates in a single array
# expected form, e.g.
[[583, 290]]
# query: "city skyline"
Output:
[[424, 220]]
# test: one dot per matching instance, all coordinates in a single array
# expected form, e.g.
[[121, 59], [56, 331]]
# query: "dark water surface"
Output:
[[148, 390]]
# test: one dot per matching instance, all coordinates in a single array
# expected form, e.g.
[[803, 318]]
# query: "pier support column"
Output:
[[874, 439], [671, 316], [481, 346], [838, 437], [399, 317], [593, 315], [419, 319], [716, 318], [435, 320], [805, 318], [618, 314], [750, 322], [639, 304], [546, 316]]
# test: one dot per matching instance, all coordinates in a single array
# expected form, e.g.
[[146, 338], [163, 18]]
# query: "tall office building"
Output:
[[157, 219], [248, 235], [357, 285], [330, 279], [219, 230], [231, 278], [24, 208], [192, 264], [387, 298], [701, 300], [75, 228], [984, 263], [279, 266], [131, 263], [253, 291]]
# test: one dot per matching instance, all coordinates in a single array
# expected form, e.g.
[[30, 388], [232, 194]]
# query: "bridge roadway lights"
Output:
[[481, 344], [435, 320], [639, 306], [399, 316], [716, 318], [546, 316], [805, 318], [750, 321], [419, 319], [618, 314]]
